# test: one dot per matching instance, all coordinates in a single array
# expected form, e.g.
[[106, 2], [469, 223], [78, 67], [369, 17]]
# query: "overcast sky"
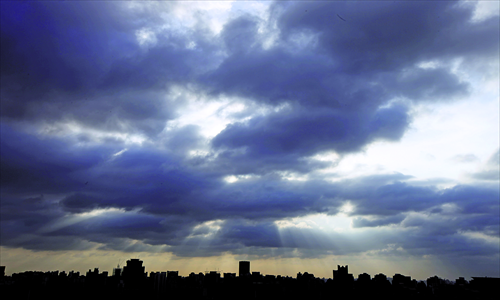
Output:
[[297, 135]]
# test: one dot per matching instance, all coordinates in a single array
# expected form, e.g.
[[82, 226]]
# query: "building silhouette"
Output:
[[244, 269], [342, 274], [134, 274], [134, 268], [401, 280], [364, 277], [117, 272]]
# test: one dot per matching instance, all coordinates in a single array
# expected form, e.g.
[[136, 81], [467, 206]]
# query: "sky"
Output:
[[296, 135]]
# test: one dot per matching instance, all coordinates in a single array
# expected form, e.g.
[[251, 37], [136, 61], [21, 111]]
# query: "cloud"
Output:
[[34, 165], [281, 139], [79, 203], [430, 84], [240, 34], [491, 170], [473, 199], [90, 73], [487, 175], [465, 158], [163, 207], [337, 87], [390, 36], [364, 222]]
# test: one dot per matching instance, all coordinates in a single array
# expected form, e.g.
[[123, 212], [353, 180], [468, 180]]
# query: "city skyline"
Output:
[[292, 134], [132, 282], [136, 266], [321, 272]]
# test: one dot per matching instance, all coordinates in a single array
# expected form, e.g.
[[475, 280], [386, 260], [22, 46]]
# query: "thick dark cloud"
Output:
[[30, 164], [79, 203], [336, 87], [89, 68], [275, 76], [164, 206], [391, 198], [148, 196], [429, 84], [85, 65], [256, 235], [240, 34], [482, 200], [384, 221], [279, 140], [387, 37]]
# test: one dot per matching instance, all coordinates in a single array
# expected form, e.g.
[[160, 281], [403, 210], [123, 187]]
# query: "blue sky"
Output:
[[298, 135]]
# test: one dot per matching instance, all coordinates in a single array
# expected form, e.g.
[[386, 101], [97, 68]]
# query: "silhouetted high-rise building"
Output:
[[134, 274], [134, 268], [244, 268], [342, 275]]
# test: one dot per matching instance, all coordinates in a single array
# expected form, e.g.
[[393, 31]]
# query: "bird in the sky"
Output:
[[341, 18]]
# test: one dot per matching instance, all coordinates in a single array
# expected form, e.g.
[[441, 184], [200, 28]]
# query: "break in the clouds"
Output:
[[259, 129]]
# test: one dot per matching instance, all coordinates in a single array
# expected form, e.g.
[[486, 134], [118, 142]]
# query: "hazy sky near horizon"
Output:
[[297, 135]]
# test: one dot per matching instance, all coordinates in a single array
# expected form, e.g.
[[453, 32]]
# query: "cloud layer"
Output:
[[93, 153]]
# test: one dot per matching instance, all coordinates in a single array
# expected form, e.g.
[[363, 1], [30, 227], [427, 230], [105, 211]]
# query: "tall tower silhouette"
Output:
[[244, 268]]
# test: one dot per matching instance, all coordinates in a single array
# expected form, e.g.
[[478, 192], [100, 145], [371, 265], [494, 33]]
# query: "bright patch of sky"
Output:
[[72, 219], [73, 129], [206, 230], [146, 37], [439, 133], [481, 237], [233, 178], [210, 116], [484, 10], [183, 16], [340, 222]]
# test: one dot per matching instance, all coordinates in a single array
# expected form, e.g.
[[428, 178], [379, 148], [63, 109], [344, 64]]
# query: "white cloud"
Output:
[[485, 10], [146, 37]]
